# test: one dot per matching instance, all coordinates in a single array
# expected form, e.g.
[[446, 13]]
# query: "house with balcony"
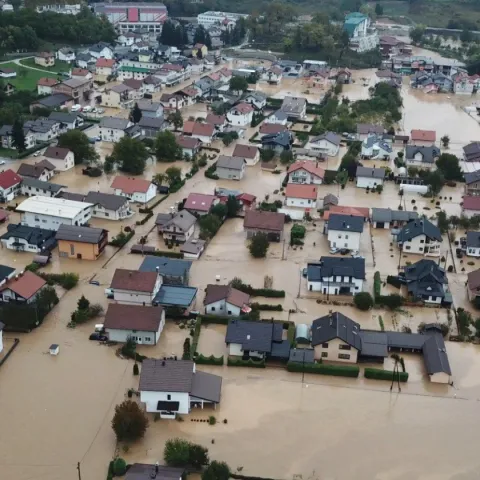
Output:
[[421, 237], [79, 90], [376, 148], [422, 156], [113, 129], [303, 196], [361, 32], [328, 143], [241, 115], [178, 227], [22, 238], [472, 183], [136, 189], [344, 231], [109, 206], [82, 243]]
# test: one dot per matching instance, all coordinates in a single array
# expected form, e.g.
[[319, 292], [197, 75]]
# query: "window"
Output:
[[72, 249], [344, 356], [346, 237], [407, 247], [324, 354], [422, 241], [325, 345], [344, 347], [169, 397], [213, 309], [339, 236]]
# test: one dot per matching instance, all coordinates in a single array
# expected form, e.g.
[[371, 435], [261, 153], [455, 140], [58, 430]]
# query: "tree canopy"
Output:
[[18, 136], [77, 141], [259, 245], [182, 453], [173, 35], [166, 147], [130, 155], [449, 165], [129, 421], [238, 84]]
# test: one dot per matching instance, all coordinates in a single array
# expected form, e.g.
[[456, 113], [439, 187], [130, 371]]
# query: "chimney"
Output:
[[163, 363]]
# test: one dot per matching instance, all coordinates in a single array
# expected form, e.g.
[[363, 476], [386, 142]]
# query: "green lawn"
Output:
[[26, 78], [59, 66]]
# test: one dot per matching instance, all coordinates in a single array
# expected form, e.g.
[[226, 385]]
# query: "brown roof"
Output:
[[301, 191], [9, 178], [27, 170], [269, 128], [187, 142], [56, 152], [264, 220], [132, 83], [364, 128], [166, 376], [47, 82], [80, 72], [245, 151], [26, 285], [133, 317], [45, 164], [309, 166], [214, 293], [131, 185], [203, 129], [243, 108], [134, 280], [471, 203], [423, 135], [188, 126], [474, 281], [105, 62], [344, 210], [215, 119]]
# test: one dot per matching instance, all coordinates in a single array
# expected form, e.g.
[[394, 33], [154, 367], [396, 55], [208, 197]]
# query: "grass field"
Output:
[[26, 78], [59, 66]]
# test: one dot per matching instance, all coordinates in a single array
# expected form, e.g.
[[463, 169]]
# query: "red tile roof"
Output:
[[243, 108], [271, 128], [134, 280], [133, 317], [308, 165], [247, 198], [354, 211], [423, 135], [47, 82], [9, 178], [105, 62], [471, 203], [80, 72], [199, 201], [301, 191], [131, 185], [26, 285], [264, 220], [188, 126], [203, 129], [215, 119], [245, 151]]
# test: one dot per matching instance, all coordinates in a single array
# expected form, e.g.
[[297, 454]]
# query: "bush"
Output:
[[256, 292], [363, 301], [196, 336], [135, 369], [182, 453], [233, 362], [377, 285], [266, 307], [129, 421], [144, 220], [212, 420], [162, 253], [322, 369], [392, 301], [121, 239], [65, 280], [379, 374], [119, 467], [291, 333], [211, 360], [394, 281]]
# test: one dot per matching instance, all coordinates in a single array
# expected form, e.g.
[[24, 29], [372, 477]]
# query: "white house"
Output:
[[177, 227], [250, 153], [27, 239], [172, 387], [134, 287], [240, 115], [375, 147], [370, 177], [257, 99], [45, 85], [49, 213], [112, 129], [328, 143], [225, 300], [306, 172], [62, 158], [108, 206], [150, 109], [304, 196], [104, 68], [136, 189], [32, 186], [344, 231], [230, 168], [23, 288], [42, 170], [473, 244], [203, 132], [9, 185], [101, 49], [142, 324], [272, 75], [279, 117], [336, 275], [420, 236], [68, 121], [66, 54]]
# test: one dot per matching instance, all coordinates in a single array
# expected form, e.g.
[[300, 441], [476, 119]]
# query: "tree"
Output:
[[198, 456], [378, 9], [108, 164], [466, 36], [200, 34], [229, 137], [286, 157], [77, 142], [233, 206], [182, 453], [209, 226], [220, 210], [176, 119], [119, 466], [477, 327], [363, 301], [442, 221], [83, 303], [130, 155], [238, 84], [18, 136], [216, 471], [158, 179], [166, 147], [416, 33], [173, 175], [449, 166], [445, 141], [208, 40], [47, 298], [464, 320], [129, 421], [135, 114], [435, 180], [259, 245]]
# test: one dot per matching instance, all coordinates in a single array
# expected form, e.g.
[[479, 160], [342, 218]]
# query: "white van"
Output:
[[87, 109], [76, 108]]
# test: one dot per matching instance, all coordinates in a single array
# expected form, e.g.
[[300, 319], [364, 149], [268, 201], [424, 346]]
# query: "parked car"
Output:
[[2, 162], [98, 336], [100, 110], [333, 250], [344, 251], [356, 254], [88, 108], [37, 153], [305, 272], [109, 292], [76, 108]]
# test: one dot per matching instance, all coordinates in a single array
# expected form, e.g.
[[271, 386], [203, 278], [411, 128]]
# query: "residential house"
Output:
[[230, 168], [336, 275], [6, 273], [200, 203], [366, 129], [471, 152], [193, 249], [127, 39], [203, 132], [218, 121], [141, 47], [137, 89], [250, 153], [43, 170], [46, 85], [81, 74], [376, 148], [171, 101], [136, 189], [272, 75], [172, 387], [423, 138], [427, 282], [134, 287], [113, 129], [420, 236], [387, 218], [164, 51], [7, 73], [68, 121], [179, 227], [104, 68], [108, 206], [44, 130], [432, 82], [6, 137], [329, 201], [473, 286], [151, 127], [344, 231], [101, 49], [294, 107], [142, 324], [303, 196], [79, 90], [361, 212], [52, 212], [370, 177], [328, 143], [85, 60], [28, 239], [279, 117], [45, 59], [9, 185], [23, 288], [305, 172], [199, 50], [225, 300], [152, 84], [472, 244], [32, 186], [189, 145], [422, 156], [271, 223], [9, 89], [279, 142], [190, 95], [257, 99], [56, 100], [388, 77], [66, 54], [150, 109], [172, 270], [62, 159], [247, 201], [471, 206], [392, 46], [343, 76], [83, 243], [240, 115], [271, 128], [118, 96], [361, 32]]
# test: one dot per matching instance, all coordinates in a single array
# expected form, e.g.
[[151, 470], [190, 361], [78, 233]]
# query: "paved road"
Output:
[[17, 61]]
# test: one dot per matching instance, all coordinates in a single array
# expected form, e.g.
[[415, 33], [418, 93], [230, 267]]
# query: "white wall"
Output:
[[333, 351], [240, 120], [141, 337], [440, 377], [417, 245], [328, 285], [323, 146], [111, 135], [137, 298], [120, 214], [152, 398], [222, 308], [1, 341], [364, 182], [300, 202], [63, 164], [139, 197], [29, 248], [304, 177], [229, 173], [338, 239], [235, 349], [51, 222], [473, 252]]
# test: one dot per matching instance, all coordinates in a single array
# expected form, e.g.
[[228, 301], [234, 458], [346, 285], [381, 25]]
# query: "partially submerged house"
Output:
[[422, 156], [271, 223], [226, 301], [370, 177], [420, 236], [387, 218], [344, 231]]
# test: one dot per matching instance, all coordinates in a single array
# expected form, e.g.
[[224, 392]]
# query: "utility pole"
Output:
[[79, 472]]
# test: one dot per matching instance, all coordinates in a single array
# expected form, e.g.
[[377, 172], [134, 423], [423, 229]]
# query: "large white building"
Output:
[[363, 36], [344, 231], [420, 236], [224, 19], [51, 212]]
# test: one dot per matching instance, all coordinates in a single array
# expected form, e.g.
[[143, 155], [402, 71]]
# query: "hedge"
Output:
[[151, 207], [233, 362], [377, 285], [216, 319], [175, 187], [391, 301], [145, 219], [394, 281], [379, 374], [211, 360], [114, 242], [196, 336], [322, 369], [65, 280], [291, 333], [163, 253], [267, 307]]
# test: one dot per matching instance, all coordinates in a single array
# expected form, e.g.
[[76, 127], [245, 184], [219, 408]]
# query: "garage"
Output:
[[379, 224]]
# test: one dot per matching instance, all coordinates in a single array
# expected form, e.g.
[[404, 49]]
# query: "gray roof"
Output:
[[85, 57], [279, 115], [120, 88], [50, 187], [336, 266], [329, 137], [471, 177], [232, 163], [79, 234], [472, 152], [148, 105], [473, 239], [78, 197], [63, 117], [108, 201], [33, 235], [256, 336], [166, 376], [281, 350], [405, 340], [293, 105], [194, 247], [166, 266], [5, 271], [114, 122], [371, 172], [283, 139], [258, 96], [331, 199], [75, 82], [163, 218], [425, 278], [435, 353], [428, 153], [206, 386], [143, 471], [302, 355], [183, 220], [336, 325], [175, 296], [373, 139], [389, 215], [374, 344], [155, 123], [54, 100], [414, 228], [345, 223], [365, 128]]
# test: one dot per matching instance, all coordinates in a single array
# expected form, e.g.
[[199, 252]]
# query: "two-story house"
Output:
[[328, 143], [301, 195], [136, 189], [82, 243], [421, 156], [79, 90], [344, 231], [10, 183], [62, 159], [241, 115], [305, 172], [134, 287], [108, 206], [473, 244], [104, 68], [472, 183], [113, 129], [225, 300], [178, 227], [420, 236], [230, 168], [45, 59]]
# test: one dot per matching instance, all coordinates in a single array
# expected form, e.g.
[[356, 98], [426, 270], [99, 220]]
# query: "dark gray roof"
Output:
[[389, 215], [33, 235], [163, 219], [78, 197], [405, 340], [49, 187], [374, 344], [336, 325], [166, 376], [143, 471], [414, 228], [108, 201], [279, 115], [5, 271], [425, 278], [472, 152], [166, 266], [331, 199], [281, 350], [282, 138], [365, 128], [371, 172], [63, 117], [473, 239], [428, 153], [345, 223], [302, 355], [256, 336], [79, 234], [471, 177], [175, 296], [435, 353], [54, 100], [155, 123], [329, 137], [114, 122], [342, 266], [206, 386], [293, 105]]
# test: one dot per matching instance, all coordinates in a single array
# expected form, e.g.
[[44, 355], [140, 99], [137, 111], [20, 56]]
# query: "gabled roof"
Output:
[[342, 266], [473, 239], [188, 142], [371, 172], [26, 285], [429, 154], [472, 177], [242, 108], [215, 119], [47, 186], [54, 100], [131, 185], [345, 223], [199, 201], [27, 170], [214, 293], [258, 219], [47, 82], [330, 137], [336, 325], [133, 317], [9, 178], [389, 215], [272, 128], [284, 139], [365, 128], [423, 135], [105, 62], [62, 117], [294, 190], [362, 212], [472, 152], [414, 228], [170, 267], [5, 272], [166, 375], [203, 129], [293, 105], [309, 166], [134, 280], [182, 220], [245, 151], [56, 152], [471, 202], [425, 277], [109, 201], [257, 336], [114, 123], [33, 235], [231, 163], [73, 233]]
